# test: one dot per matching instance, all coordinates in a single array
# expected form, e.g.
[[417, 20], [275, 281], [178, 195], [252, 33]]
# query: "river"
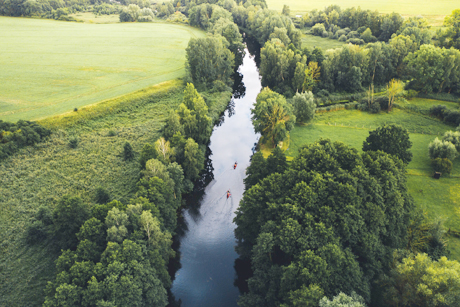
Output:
[[207, 247]]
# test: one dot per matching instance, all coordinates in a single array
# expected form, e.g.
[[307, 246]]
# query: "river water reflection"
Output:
[[207, 255]]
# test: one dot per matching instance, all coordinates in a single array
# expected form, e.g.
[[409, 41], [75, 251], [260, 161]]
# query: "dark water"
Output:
[[207, 254]]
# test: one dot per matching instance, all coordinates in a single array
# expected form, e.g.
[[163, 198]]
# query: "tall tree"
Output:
[[272, 116], [392, 139]]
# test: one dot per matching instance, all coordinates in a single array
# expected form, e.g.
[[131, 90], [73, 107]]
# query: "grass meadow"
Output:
[[42, 174], [312, 41], [51, 67], [432, 10], [439, 198]]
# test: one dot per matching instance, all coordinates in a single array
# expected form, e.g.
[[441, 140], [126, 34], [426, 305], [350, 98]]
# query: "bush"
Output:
[[128, 152], [102, 196], [452, 117], [374, 107], [343, 38], [318, 29], [353, 34], [442, 149], [355, 41], [324, 34], [36, 232], [111, 133], [442, 165], [438, 111], [73, 142], [454, 138]]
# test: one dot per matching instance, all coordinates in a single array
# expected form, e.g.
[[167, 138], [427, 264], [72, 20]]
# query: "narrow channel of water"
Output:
[[207, 248]]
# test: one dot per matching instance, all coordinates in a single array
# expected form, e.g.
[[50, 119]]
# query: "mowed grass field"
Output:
[[440, 198], [409, 7], [42, 174], [50, 67], [312, 41]]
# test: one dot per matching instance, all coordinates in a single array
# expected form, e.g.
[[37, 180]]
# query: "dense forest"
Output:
[[332, 227]]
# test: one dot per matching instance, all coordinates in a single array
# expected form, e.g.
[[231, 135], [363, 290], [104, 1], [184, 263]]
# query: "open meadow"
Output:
[[439, 198], [428, 8], [51, 67]]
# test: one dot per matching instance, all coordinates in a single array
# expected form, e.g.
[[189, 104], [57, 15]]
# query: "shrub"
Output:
[[374, 108], [353, 34], [73, 142], [36, 232], [442, 149], [318, 29], [128, 152], [438, 110], [324, 34], [442, 165], [75, 109], [343, 38], [102, 196], [111, 133], [452, 117], [454, 138], [355, 41]]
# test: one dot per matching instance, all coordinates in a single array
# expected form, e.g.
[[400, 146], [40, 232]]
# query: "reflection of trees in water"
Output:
[[253, 47], [239, 90], [243, 273], [192, 204]]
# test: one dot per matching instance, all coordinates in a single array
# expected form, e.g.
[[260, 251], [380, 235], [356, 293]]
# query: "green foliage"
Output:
[[272, 116], [454, 138], [68, 216], [343, 300], [148, 152], [14, 136], [230, 31], [419, 281], [306, 228], [193, 159], [128, 152], [102, 196], [434, 69], [304, 106], [442, 165], [442, 149], [209, 59], [450, 36], [193, 113], [392, 139], [130, 13]]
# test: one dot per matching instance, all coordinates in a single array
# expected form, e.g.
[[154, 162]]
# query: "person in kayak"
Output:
[[234, 166], [228, 194]]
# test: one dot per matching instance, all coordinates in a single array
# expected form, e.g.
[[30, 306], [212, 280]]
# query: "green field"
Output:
[[406, 7], [51, 67], [312, 41], [440, 198]]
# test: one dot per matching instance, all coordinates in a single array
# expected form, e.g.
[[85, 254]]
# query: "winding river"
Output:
[[207, 247]]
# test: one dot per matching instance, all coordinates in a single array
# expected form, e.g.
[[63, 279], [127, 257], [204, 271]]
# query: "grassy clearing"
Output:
[[426, 104], [440, 198], [433, 9], [42, 174], [51, 67], [312, 41]]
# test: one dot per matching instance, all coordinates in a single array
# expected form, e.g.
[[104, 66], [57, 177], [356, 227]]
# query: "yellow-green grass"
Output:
[[440, 198], [312, 41], [51, 67], [409, 7], [42, 174], [426, 104]]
